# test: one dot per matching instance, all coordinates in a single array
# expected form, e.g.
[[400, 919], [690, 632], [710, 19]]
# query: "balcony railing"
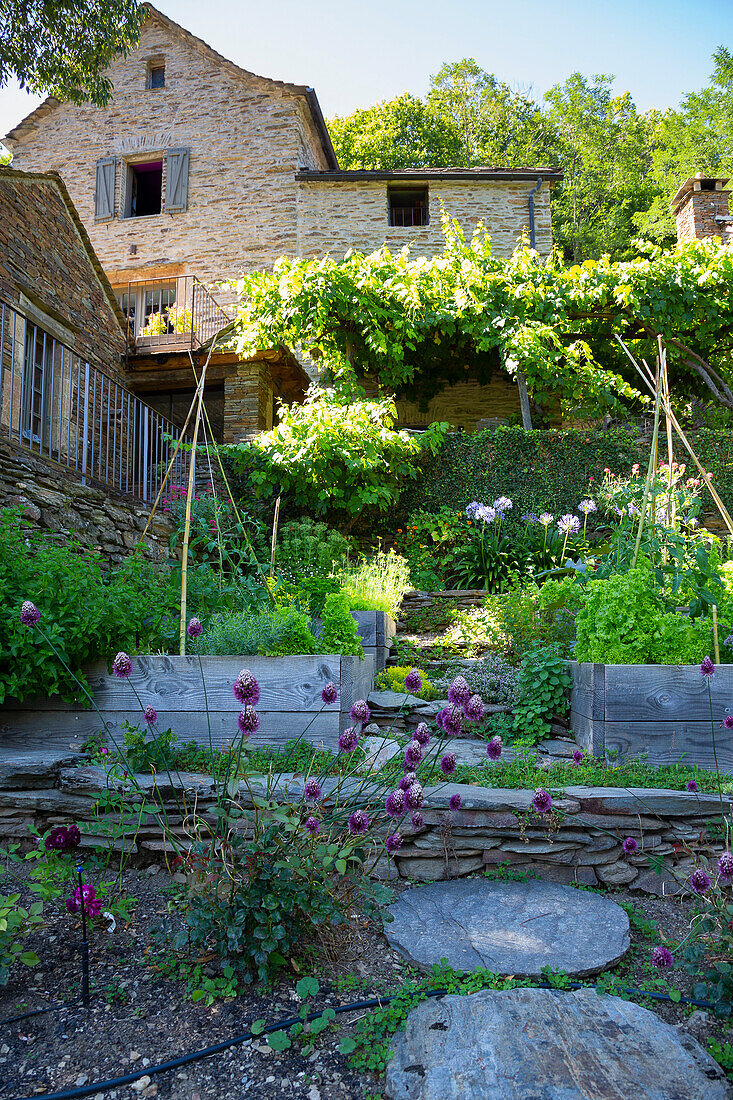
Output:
[[62, 408], [172, 314]]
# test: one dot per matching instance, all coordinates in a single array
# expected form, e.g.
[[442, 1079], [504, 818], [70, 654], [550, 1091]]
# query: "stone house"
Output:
[[198, 169], [701, 209]]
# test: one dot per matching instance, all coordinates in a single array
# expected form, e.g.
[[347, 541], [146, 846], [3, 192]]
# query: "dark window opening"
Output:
[[37, 366], [707, 185], [156, 76], [145, 187], [408, 207]]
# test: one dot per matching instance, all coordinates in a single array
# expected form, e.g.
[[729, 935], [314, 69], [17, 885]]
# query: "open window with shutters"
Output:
[[144, 195], [176, 180], [104, 191]]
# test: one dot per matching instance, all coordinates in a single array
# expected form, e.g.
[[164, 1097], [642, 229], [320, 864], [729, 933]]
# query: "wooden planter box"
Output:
[[290, 698], [660, 711], [376, 630]]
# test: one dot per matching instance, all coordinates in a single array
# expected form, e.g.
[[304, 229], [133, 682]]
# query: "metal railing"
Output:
[[175, 313], [62, 408]]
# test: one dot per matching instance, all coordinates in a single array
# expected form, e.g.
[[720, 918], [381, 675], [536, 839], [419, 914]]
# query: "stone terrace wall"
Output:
[[54, 499], [495, 826]]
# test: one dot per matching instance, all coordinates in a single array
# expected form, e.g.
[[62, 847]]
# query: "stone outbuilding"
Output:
[[701, 209]]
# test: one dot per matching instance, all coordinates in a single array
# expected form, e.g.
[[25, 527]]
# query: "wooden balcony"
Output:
[[170, 315]]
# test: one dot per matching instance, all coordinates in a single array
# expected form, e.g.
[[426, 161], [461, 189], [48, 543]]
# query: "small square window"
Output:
[[408, 207], [144, 189], [156, 76]]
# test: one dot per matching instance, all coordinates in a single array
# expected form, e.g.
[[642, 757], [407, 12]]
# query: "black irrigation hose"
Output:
[[39, 1012], [282, 1025]]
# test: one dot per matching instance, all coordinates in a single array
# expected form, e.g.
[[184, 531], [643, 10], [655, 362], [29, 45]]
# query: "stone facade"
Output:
[[701, 209]]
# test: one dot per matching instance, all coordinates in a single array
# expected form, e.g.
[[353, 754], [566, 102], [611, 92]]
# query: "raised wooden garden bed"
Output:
[[661, 712], [291, 697], [376, 630]]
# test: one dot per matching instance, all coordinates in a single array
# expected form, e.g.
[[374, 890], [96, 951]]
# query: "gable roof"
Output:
[[55, 178], [299, 90]]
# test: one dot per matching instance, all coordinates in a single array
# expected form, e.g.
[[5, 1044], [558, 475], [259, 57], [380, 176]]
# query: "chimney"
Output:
[[701, 210]]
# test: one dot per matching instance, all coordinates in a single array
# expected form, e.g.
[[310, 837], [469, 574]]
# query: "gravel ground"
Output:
[[140, 1017]]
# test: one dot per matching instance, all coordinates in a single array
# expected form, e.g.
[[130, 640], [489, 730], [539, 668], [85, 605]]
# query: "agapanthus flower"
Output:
[[546, 519], [728, 722], [450, 721], [312, 825], [413, 755], [448, 763], [417, 820], [587, 506], [662, 958], [542, 801], [473, 709], [530, 517], [122, 666], [407, 780], [395, 803], [459, 692], [414, 797], [707, 668], [393, 843], [725, 868], [494, 748], [360, 711], [454, 802], [348, 740], [248, 721], [246, 689], [629, 845], [358, 823], [329, 693], [312, 791], [483, 512], [700, 881], [150, 714], [729, 641], [503, 504], [194, 628], [29, 614], [413, 681], [691, 785], [578, 756], [422, 734], [568, 524]]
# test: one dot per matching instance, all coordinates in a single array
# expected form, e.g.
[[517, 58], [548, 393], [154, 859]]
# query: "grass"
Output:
[[378, 583]]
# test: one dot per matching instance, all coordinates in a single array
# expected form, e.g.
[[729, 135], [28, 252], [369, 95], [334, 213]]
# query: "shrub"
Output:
[[16, 923], [542, 682], [146, 751], [377, 583], [491, 677], [339, 631], [393, 679], [274, 631], [309, 549]]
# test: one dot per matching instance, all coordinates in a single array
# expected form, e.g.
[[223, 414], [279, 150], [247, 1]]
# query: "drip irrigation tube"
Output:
[[282, 1025], [39, 1012]]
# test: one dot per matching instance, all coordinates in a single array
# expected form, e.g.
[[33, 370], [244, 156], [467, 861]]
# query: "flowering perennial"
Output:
[[246, 689], [29, 614]]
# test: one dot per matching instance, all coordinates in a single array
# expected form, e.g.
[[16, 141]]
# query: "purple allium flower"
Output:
[[459, 692], [29, 614], [494, 748], [329, 693], [662, 958], [194, 628], [691, 785], [393, 843], [122, 666], [414, 797], [422, 734], [312, 792], [728, 722], [348, 740], [707, 668], [454, 802], [150, 714], [407, 780], [360, 711], [568, 524], [57, 839], [473, 709], [395, 803], [700, 881], [246, 689], [413, 681], [725, 868], [503, 504], [578, 757], [542, 801], [359, 823], [248, 720], [417, 820], [312, 825], [629, 845], [546, 519], [413, 755], [451, 721], [448, 763]]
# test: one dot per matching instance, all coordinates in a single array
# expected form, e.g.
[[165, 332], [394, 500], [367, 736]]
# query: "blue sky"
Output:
[[355, 53]]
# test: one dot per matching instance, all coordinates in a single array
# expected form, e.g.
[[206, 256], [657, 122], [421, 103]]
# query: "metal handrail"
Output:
[[171, 313]]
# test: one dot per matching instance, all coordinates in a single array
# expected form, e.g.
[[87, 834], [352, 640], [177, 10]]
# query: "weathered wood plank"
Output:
[[640, 693], [686, 742]]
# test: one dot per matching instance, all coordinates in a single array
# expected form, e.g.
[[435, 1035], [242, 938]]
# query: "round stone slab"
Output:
[[508, 927], [541, 1044]]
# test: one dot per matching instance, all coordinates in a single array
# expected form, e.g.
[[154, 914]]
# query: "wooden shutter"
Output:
[[104, 194], [176, 180]]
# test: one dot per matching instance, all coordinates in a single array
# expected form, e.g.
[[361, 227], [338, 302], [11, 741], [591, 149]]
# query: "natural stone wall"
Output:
[[494, 827], [698, 211], [53, 498]]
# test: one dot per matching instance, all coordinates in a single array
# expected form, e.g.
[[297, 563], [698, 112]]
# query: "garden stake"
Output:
[[716, 645], [273, 544], [84, 945], [650, 467]]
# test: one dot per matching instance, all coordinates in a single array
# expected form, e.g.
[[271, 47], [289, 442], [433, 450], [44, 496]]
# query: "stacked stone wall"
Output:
[[697, 216]]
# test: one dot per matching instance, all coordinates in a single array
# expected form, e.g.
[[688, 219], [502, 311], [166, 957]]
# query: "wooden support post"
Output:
[[524, 402]]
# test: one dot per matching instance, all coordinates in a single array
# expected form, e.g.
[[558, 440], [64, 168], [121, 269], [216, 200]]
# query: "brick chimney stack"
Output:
[[701, 210]]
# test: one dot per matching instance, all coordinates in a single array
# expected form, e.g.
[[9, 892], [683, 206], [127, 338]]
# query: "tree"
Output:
[[62, 47], [400, 133]]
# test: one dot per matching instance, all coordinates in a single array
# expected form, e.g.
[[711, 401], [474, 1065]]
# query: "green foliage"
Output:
[[527, 614], [722, 1053], [392, 678], [310, 549], [491, 559], [65, 49], [228, 544], [400, 133], [273, 631], [425, 540], [378, 583], [147, 752], [333, 453], [542, 684], [16, 923], [339, 631]]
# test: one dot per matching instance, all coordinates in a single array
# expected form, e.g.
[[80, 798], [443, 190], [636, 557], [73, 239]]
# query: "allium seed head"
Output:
[[662, 958], [421, 734], [246, 689], [329, 693], [448, 763], [707, 668], [578, 757], [358, 823], [312, 792], [194, 628], [150, 714], [413, 681], [417, 820], [542, 801], [248, 721], [29, 614], [393, 843], [691, 785], [459, 692], [122, 666], [700, 881], [494, 748], [395, 803], [312, 825], [348, 740], [451, 721], [407, 780], [454, 802], [414, 797], [725, 868], [629, 845], [360, 711], [728, 722], [473, 709], [413, 755]]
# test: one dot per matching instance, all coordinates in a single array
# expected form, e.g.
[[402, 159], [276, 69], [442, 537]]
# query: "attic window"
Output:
[[707, 185], [408, 207], [144, 189], [156, 75]]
